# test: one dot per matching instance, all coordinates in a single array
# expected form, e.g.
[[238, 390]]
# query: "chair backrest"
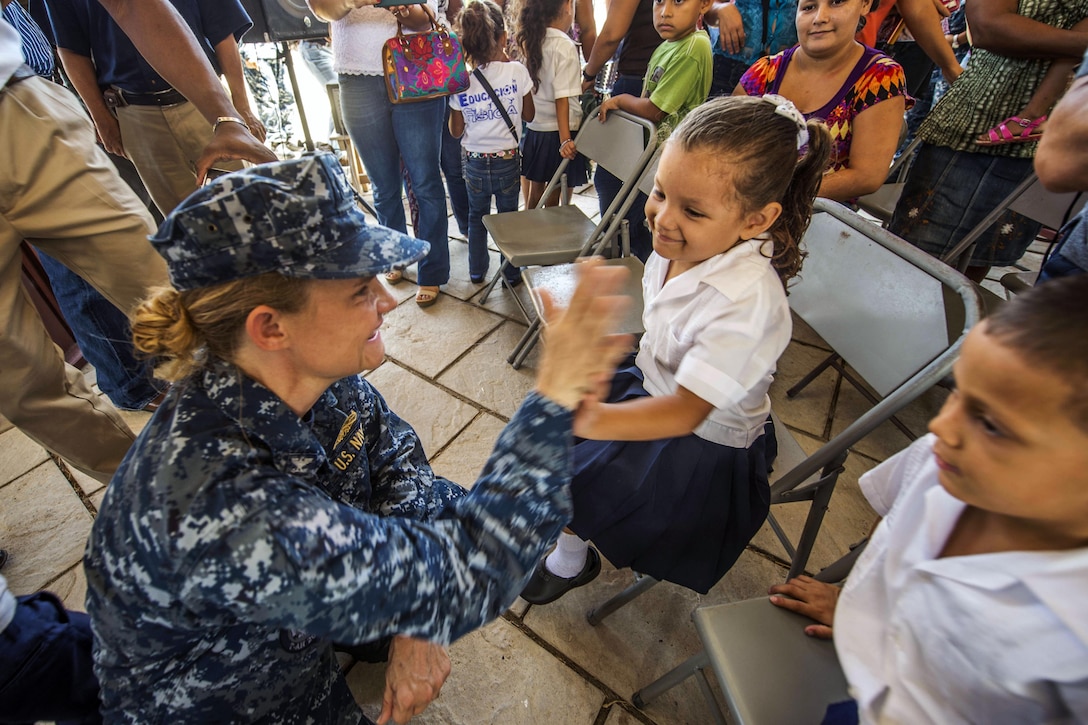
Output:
[[1030, 199], [879, 302], [614, 143], [880, 313], [646, 186]]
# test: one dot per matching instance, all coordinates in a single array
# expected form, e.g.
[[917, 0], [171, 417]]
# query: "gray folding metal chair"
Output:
[[879, 303], [560, 279], [767, 668], [553, 235]]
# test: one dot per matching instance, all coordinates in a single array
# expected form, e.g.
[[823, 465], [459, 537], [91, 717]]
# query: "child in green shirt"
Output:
[[677, 80]]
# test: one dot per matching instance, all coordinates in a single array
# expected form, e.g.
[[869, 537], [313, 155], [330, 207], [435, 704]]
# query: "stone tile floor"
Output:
[[446, 373]]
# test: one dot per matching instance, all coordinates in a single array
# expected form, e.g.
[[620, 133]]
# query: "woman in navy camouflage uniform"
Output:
[[274, 504]]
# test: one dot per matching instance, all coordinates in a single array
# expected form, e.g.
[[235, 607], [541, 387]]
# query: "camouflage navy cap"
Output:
[[296, 217]]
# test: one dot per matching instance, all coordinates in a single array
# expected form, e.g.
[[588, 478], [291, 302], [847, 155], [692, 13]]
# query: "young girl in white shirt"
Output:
[[670, 468], [492, 162], [552, 59]]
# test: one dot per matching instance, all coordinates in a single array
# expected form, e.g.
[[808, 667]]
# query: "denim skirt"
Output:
[[949, 192]]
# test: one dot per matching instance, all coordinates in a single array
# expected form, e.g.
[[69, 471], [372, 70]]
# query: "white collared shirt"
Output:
[[717, 330], [560, 77], [988, 638]]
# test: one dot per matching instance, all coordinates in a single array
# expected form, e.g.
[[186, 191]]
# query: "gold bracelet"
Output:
[[229, 119]]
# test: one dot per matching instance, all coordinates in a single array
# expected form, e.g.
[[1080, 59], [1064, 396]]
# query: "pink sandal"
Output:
[[1000, 134]]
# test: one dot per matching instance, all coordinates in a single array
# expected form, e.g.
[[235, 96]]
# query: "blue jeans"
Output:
[[103, 334], [485, 178], [608, 186], [46, 670], [385, 133], [455, 183]]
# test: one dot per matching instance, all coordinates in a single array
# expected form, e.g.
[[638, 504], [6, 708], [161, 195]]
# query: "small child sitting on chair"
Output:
[[968, 603]]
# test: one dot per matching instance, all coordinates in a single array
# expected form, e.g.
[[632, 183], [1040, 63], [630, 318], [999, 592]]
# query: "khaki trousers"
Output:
[[164, 144], [60, 192]]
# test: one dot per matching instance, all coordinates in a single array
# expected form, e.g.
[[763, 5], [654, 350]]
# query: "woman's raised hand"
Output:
[[580, 351]]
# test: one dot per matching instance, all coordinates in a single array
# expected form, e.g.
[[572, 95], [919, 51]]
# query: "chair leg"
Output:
[[533, 338], [803, 382], [494, 281], [642, 582], [671, 679], [708, 695], [526, 336], [821, 500]]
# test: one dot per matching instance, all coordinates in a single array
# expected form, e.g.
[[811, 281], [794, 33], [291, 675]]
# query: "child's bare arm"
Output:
[[636, 106], [457, 123], [566, 140], [814, 599], [644, 419]]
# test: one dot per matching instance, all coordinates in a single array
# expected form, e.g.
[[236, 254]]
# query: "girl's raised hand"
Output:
[[579, 348]]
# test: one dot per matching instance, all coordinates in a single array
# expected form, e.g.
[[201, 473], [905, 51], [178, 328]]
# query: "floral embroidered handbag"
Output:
[[424, 65]]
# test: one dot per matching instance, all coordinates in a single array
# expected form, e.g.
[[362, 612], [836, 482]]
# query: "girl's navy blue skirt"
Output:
[[540, 158], [678, 509]]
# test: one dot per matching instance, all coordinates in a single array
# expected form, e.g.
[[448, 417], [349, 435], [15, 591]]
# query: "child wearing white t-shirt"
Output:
[[492, 161], [967, 606], [670, 468]]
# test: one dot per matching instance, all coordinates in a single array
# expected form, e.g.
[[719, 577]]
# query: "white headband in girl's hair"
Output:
[[784, 107]]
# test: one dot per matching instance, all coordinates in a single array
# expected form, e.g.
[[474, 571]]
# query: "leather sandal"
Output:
[[394, 276], [426, 296], [545, 587], [1000, 134]]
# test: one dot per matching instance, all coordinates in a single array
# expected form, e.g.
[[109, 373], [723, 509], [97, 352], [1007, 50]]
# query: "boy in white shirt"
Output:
[[968, 603]]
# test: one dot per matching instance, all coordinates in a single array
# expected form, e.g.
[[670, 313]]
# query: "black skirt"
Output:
[[540, 158], [678, 509]]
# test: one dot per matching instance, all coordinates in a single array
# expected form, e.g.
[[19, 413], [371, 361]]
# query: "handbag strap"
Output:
[[435, 26], [495, 99]]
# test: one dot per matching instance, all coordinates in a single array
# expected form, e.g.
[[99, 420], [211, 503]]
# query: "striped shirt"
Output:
[[36, 49]]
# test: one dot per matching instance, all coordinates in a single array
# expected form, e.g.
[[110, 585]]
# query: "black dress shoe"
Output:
[[545, 587]]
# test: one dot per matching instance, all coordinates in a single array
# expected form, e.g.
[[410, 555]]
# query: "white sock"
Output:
[[569, 556]]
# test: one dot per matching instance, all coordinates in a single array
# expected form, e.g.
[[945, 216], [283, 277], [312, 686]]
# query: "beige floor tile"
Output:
[[43, 526], [86, 484], [18, 454], [618, 716], [465, 457], [887, 440], [71, 587], [501, 302], [484, 376], [646, 638], [460, 286], [5, 424], [809, 410], [401, 291], [430, 339], [498, 676], [436, 415], [96, 500]]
